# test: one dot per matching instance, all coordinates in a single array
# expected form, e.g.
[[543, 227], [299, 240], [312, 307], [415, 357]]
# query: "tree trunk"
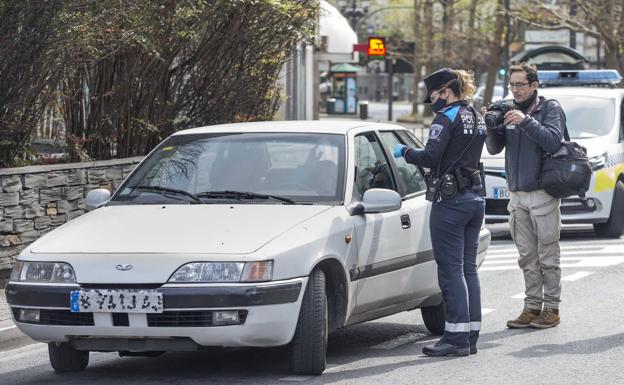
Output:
[[496, 49], [418, 55], [429, 44]]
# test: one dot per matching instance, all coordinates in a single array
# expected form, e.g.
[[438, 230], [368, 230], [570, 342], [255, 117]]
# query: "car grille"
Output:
[[496, 207], [186, 318], [568, 206], [59, 318], [576, 206]]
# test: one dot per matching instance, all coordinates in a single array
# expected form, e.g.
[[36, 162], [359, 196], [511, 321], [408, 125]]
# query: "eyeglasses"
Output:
[[518, 85]]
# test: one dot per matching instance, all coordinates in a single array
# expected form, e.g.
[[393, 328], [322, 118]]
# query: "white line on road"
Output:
[[518, 296], [485, 311], [8, 328], [583, 262], [576, 276]]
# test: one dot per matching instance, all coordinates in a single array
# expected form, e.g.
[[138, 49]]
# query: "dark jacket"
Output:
[[526, 145], [451, 131]]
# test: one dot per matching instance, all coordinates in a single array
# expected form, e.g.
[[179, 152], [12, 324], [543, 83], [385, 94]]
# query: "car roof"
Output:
[[600, 92], [299, 126]]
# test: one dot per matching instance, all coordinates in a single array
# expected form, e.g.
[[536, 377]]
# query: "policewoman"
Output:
[[455, 186]]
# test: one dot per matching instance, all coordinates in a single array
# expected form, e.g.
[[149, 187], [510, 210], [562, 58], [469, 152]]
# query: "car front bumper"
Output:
[[573, 210], [268, 314]]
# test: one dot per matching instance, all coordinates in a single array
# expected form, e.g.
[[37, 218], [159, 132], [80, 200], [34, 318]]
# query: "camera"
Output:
[[496, 113]]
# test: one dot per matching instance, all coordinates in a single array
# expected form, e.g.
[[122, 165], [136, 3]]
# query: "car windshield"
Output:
[[272, 168], [587, 117]]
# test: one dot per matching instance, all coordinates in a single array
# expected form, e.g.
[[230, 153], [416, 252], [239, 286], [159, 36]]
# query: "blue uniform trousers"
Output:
[[455, 224]]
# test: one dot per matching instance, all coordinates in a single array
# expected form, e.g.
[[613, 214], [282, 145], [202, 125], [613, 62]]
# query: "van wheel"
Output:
[[435, 318], [309, 345], [614, 227], [64, 358]]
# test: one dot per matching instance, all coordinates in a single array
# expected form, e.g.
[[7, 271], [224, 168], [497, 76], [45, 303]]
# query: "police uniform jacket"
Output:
[[451, 131]]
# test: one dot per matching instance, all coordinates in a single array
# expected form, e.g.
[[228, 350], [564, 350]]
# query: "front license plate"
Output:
[[116, 301], [501, 193]]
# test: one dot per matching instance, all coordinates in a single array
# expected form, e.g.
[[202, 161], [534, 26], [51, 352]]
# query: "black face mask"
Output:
[[438, 105]]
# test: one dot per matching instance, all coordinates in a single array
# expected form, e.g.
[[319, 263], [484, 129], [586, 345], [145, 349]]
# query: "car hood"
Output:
[[493, 162], [595, 147], [174, 229]]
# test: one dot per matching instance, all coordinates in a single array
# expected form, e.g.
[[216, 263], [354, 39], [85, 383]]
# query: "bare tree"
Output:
[[601, 19]]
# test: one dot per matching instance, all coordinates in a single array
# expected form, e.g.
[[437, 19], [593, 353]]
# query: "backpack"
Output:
[[567, 172]]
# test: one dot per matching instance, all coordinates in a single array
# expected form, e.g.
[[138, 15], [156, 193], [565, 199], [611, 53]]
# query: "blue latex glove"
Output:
[[399, 150]]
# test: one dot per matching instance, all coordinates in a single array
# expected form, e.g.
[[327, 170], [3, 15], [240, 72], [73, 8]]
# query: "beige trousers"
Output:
[[535, 225]]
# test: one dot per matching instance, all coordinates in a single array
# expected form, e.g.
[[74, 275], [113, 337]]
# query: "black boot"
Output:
[[441, 349]]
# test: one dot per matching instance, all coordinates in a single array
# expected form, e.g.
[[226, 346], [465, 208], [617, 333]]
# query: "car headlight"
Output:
[[224, 272], [53, 272], [598, 162]]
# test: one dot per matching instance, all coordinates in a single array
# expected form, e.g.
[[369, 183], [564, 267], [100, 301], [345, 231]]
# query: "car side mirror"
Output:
[[378, 200], [97, 198]]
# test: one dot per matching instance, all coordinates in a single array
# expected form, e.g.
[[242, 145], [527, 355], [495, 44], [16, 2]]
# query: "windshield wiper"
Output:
[[169, 190], [242, 194]]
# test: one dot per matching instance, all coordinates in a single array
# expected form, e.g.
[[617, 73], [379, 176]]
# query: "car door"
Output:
[[383, 239], [411, 182]]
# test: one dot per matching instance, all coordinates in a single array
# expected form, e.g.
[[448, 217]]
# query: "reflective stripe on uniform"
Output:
[[457, 328], [475, 326]]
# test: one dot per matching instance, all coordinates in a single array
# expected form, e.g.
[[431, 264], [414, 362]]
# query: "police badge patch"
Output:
[[435, 131]]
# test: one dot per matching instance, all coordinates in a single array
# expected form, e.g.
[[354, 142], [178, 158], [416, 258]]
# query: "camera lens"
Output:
[[493, 118]]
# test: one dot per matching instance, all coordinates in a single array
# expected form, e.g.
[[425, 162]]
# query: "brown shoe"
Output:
[[548, 319], [524, 319]]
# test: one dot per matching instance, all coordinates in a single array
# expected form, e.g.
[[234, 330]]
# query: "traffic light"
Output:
[[501, 72]]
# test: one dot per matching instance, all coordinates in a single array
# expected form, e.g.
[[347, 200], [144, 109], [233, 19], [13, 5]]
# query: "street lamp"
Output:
[[353, 12]]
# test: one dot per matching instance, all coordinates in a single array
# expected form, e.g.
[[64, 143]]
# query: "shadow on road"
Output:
[[588, 346]]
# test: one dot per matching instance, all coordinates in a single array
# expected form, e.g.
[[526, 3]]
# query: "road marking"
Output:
[[486, 311], [8, 328], [582, 262], [518, 296], [576, 276]]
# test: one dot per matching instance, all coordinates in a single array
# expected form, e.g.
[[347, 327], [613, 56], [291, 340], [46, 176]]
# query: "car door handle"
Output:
[[405, 221]]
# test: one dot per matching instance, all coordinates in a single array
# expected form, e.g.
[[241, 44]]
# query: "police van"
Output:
[[594, 109]]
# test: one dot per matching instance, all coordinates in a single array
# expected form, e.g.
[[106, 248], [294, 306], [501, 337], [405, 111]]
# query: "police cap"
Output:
[[436, 80]]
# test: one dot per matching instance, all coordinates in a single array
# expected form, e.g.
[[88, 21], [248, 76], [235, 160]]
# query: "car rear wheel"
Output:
[[309, 345], [614, 227], [435, 318], [64, 358]]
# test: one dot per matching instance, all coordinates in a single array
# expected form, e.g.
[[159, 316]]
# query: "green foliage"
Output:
[[128, 73]]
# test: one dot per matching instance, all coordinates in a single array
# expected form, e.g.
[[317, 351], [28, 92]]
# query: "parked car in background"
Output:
[[250, 234], [477, 100], [595, 120]]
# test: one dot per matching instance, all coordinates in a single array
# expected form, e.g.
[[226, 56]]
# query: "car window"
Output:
[[409, 175], [371, 166], [587, 117], [302, 167]]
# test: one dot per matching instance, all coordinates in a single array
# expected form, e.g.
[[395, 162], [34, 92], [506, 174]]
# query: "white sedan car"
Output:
[[595, 120], [252, 234]]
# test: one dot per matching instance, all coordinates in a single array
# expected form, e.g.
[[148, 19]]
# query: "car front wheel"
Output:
[[614, 227], [435, 318], [309, 345], [64, 358]]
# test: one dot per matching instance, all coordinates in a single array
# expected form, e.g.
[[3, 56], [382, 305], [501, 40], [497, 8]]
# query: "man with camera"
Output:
[[528, 128]]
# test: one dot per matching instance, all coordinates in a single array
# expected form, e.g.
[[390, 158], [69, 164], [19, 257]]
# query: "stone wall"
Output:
[[36, 199]]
